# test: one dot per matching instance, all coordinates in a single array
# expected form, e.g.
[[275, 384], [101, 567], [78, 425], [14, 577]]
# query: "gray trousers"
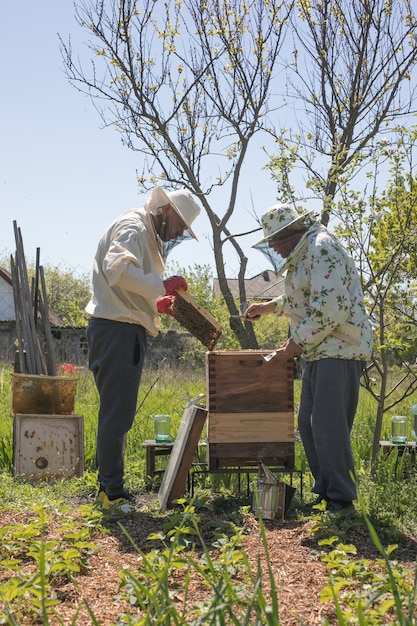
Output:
[[329, 398], [116, 353]]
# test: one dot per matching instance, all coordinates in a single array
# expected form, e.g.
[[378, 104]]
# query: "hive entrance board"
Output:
[[196, 320]]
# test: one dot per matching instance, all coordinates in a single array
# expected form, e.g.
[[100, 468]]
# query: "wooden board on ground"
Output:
[[181, 458]]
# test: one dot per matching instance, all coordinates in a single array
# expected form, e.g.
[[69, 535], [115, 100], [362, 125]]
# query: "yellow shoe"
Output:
[[101, 496], [119, 506]]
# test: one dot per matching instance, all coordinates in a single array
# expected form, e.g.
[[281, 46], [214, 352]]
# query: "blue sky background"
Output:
[[62, 177]]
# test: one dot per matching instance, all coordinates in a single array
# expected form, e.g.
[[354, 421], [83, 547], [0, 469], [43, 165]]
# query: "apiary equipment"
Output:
[[250, 406], [48, 438], [34, 394], [269, 496], [196, 320], [48, 447]]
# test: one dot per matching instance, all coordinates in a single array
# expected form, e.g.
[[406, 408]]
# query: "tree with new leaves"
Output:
[[351, 78], [68, 295], [380, 228], [187, 84]]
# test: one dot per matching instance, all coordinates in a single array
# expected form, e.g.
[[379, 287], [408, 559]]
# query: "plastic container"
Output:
[[399, 427], [162, 426]]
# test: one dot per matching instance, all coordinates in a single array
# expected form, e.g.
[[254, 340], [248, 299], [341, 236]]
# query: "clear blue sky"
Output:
[[62, 177]]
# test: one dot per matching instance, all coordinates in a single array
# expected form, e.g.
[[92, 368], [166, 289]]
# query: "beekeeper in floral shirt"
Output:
[[330, 328]]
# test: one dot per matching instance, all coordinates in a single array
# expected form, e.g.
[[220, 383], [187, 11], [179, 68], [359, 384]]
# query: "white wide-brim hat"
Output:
[[181, 200], [278, 217]]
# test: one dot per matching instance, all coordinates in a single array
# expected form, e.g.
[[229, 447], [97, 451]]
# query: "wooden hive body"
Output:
[[250, 409], [43, 394], [48, 438], [48, 447]]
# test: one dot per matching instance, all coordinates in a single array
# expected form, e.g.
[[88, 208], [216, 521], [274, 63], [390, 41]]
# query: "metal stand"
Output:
[[202, 468], [155, 449]]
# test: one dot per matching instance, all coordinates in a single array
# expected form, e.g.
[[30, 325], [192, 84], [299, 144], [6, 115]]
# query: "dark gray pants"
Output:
[[116, 352], [329, 398]]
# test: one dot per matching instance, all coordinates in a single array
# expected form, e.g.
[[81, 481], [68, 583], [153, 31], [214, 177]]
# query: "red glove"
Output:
[[173, 283], [164, 305]]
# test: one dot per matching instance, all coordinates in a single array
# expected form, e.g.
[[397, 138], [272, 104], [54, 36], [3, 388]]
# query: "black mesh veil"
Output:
[[273, 257], [168, 246]]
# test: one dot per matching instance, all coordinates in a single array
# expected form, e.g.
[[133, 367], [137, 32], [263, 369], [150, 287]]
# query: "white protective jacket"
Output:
[[127, 272]]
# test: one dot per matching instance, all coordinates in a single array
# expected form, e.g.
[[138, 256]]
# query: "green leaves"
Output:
[[39, 561]]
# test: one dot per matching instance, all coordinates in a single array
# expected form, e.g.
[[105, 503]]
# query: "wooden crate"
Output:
[[250, 409], [251, 427], [43, 395], [241, 381], [275, 454], [48, 447]]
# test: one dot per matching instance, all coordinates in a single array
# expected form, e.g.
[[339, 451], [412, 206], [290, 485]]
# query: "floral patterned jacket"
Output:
[[322, 291]]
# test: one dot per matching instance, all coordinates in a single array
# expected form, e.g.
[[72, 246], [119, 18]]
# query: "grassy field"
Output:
[[388, 502], [390, 495]]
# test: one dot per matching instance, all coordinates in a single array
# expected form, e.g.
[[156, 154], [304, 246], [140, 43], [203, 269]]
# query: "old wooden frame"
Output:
[[182, 455]]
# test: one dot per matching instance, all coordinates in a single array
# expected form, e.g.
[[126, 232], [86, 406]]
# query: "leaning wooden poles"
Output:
[[32, 313]]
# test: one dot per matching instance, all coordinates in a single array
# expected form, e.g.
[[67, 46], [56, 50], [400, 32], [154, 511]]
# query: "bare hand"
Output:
[[254, 311], [291, 349]]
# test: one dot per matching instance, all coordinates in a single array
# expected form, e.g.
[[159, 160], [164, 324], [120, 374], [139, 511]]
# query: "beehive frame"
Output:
[[196, 320]]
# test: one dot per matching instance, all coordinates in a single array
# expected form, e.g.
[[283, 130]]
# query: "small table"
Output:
[[154, 449], [388, 446]]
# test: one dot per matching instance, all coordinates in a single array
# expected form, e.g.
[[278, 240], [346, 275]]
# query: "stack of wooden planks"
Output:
[[34, 336]]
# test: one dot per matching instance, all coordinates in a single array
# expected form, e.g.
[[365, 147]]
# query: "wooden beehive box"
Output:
[[33, 394], [48, 447], [250, 406]]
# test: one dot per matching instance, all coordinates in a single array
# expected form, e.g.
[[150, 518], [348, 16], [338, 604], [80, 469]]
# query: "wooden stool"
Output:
[[388, 446], [154, 449]]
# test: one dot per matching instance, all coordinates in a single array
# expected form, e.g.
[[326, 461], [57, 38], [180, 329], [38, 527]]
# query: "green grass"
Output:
[[390, 496], [363, 592]]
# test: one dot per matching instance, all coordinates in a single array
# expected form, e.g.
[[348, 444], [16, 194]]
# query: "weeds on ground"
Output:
[[365, 592], [39, 560]]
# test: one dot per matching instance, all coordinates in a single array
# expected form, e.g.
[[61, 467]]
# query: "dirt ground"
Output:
[[299, 573]]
